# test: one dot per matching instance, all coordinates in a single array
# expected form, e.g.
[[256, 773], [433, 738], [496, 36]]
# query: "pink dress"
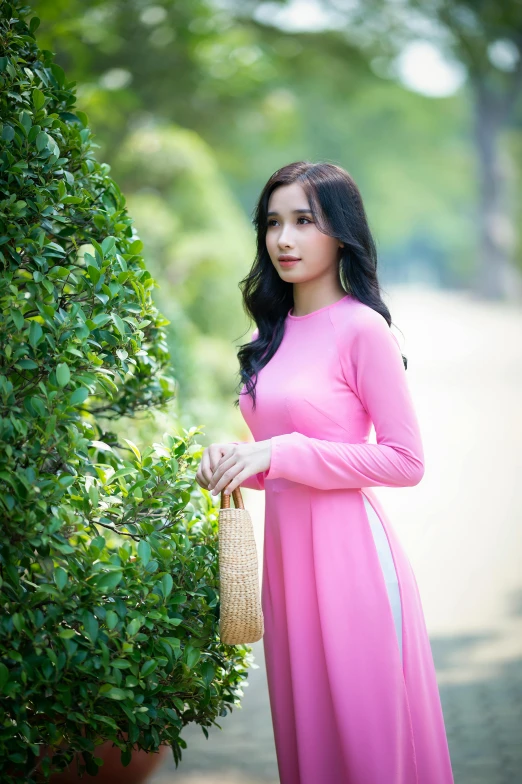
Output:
[[352, 684]]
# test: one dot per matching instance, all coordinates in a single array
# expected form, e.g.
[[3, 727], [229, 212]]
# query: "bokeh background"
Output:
[[194, 103]]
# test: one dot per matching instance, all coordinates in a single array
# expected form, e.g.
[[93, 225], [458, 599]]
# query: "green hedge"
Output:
[[108, 557]]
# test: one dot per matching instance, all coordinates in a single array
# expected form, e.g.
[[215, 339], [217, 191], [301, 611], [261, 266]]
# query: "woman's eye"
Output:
[[272, 221]]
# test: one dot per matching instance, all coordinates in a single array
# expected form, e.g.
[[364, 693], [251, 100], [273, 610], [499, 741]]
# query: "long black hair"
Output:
[[337, 207]]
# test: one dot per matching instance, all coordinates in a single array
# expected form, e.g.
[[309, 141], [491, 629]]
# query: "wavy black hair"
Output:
[[337, 207]]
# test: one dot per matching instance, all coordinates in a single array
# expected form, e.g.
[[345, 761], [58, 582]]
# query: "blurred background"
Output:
[[194, 103]]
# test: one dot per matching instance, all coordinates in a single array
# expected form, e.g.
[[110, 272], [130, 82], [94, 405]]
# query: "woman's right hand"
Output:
[[211, 456]]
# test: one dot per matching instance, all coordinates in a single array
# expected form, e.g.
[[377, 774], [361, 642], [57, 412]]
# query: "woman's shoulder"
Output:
[[358, 323], [354, 316]]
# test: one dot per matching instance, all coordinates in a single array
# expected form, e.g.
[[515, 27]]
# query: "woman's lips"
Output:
[[288, 262]]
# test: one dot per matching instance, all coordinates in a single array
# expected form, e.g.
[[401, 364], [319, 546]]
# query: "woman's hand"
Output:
[[227, 465]]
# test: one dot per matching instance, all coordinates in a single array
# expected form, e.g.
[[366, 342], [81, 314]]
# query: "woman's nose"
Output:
[[285, 238]]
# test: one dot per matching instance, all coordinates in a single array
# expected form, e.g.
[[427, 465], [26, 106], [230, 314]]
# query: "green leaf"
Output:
[[66, 549], [108, 244], [97, 247], [136, 246], [35, 333], [79, 396], [93, 273], [46, 588], [119, 323], [116, 694], [8, 133], [108, 581], [102, 446], [174, 642], [207, 671], [42, 141], [4, 676], [111, 619], [60, 577], [83, 118], [38, 98], [148, 667], [121, 472], [17, 317], [133, 627], [67, 634], [133, 447], [18, 621], [33, 133], [27, 364], [38, 405], [101, 319], [166, 584], [63, 374], [58, 73], [25, 121], [191, 656], [91, 627], [173, 715], [144, 552], [99, 543]]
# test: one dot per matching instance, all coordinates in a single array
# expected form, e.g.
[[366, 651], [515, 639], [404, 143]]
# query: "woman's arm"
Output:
[[373, 367]]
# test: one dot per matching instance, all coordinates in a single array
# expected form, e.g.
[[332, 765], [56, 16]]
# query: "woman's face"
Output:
[[291, 231]]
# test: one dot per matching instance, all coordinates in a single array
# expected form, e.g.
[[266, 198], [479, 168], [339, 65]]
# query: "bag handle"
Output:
[[238, 499]]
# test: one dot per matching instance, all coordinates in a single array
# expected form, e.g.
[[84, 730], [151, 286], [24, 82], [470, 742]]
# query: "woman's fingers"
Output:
[[216, 468], [211, 456], [229, 485], [224, 475], [217, 483]]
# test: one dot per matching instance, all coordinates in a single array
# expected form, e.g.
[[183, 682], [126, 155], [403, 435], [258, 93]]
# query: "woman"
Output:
[[352, 684]]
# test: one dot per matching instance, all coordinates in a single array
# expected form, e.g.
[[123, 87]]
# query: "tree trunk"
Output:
[[496, 277]]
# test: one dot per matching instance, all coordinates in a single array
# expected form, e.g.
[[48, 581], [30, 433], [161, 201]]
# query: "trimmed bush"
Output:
[[108, 556]]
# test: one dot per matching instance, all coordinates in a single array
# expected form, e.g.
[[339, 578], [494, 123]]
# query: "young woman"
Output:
[[352, 684]]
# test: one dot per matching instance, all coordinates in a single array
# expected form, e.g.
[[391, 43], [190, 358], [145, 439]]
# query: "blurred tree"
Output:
[[199, 244], [181, 60], [410, 155], [486, 37], [261, 96]]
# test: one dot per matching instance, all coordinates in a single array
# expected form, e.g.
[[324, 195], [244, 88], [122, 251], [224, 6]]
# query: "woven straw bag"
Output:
[[241, 616]]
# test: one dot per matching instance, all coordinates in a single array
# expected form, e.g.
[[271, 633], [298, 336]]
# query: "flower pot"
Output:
[[141, 766]]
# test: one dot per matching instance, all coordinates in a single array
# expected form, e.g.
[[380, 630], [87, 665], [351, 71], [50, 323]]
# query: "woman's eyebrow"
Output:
[[300, 209]]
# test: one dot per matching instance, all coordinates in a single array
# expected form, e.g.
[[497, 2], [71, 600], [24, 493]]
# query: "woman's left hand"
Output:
[[239, 461]]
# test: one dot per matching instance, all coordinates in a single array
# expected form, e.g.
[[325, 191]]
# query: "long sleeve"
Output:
[[373, 367]]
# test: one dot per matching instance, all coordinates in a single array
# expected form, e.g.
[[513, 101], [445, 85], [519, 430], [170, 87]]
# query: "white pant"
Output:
[[388, 567]]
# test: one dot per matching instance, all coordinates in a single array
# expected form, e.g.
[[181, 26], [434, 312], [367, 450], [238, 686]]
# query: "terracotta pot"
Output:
[[137, 771]]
